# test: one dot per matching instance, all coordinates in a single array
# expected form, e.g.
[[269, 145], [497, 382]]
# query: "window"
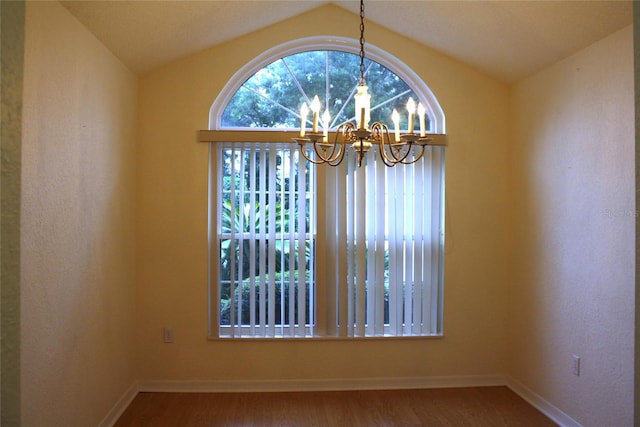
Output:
[[266, 236], [300, 250], [272, 97]]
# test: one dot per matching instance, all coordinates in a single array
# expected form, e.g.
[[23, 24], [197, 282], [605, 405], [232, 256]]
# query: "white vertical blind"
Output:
[[266, 239], [381, 252], [390, 225]]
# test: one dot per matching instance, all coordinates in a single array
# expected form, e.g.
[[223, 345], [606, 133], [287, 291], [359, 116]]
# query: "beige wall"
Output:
[[172, 234], [78, 199], [572, 288], [540, 226], [11, 70]]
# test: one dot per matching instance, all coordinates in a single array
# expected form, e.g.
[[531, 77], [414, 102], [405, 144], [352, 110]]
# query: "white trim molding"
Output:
[[230, 135], [121, 405], [541, 404], [336, 384], [331, 384]]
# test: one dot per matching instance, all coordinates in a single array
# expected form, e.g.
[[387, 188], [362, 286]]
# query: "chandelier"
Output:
[[402, 148]]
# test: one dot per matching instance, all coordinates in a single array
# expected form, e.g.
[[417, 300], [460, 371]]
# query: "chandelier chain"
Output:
[[362, 81]]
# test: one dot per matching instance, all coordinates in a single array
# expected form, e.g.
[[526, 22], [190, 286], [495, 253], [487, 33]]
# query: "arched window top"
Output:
[[268, 91]]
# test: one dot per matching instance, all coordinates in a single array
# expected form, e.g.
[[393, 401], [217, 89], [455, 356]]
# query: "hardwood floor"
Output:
[[459, 407]]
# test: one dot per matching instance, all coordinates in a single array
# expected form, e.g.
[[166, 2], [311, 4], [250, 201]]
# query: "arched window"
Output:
[[300, 250], [268, 91]]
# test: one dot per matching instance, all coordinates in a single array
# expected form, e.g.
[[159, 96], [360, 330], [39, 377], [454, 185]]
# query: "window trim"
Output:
[[218, 134], [320, 327]]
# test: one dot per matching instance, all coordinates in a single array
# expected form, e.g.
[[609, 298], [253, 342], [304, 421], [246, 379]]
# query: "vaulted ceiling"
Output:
[[507, 39]]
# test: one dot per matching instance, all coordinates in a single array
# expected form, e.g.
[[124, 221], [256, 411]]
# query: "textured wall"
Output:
[[11, 52], [572, 218], [78, 205], [636, 56], [172, 233], [574, 225]]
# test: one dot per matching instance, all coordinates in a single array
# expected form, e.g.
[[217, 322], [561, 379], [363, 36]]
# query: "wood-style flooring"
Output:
[[458, 407]]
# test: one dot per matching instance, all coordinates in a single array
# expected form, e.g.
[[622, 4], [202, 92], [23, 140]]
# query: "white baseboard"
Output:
[[335, 384], [541, 404], [121, 405]]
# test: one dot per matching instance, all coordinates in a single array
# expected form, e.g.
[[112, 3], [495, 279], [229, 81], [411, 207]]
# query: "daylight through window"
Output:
[[300, 250]]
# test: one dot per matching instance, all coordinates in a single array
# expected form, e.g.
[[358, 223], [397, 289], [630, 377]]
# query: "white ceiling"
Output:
[[506, 39]]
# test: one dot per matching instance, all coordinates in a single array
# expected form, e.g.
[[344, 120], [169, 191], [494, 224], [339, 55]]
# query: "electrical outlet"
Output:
[[167, 335], [575, 365]]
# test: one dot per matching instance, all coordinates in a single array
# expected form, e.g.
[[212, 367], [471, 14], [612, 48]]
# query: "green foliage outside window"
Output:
[[272, 97], [242, 216]]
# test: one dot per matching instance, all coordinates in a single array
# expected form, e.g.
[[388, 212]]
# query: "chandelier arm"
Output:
[[337, 160], [320, 158], [387, 162], [419, 155], [382, 130], [386, 159], [409, 145], [324, 157], [334, 156], [416, 158], [343, 149], [309, 159], [348, 126], [389, 158]]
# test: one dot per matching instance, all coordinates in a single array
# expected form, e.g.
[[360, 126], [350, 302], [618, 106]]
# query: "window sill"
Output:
[[322, 338]]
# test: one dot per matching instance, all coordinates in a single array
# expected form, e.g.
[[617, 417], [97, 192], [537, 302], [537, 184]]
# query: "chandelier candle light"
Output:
[[360, 135]]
